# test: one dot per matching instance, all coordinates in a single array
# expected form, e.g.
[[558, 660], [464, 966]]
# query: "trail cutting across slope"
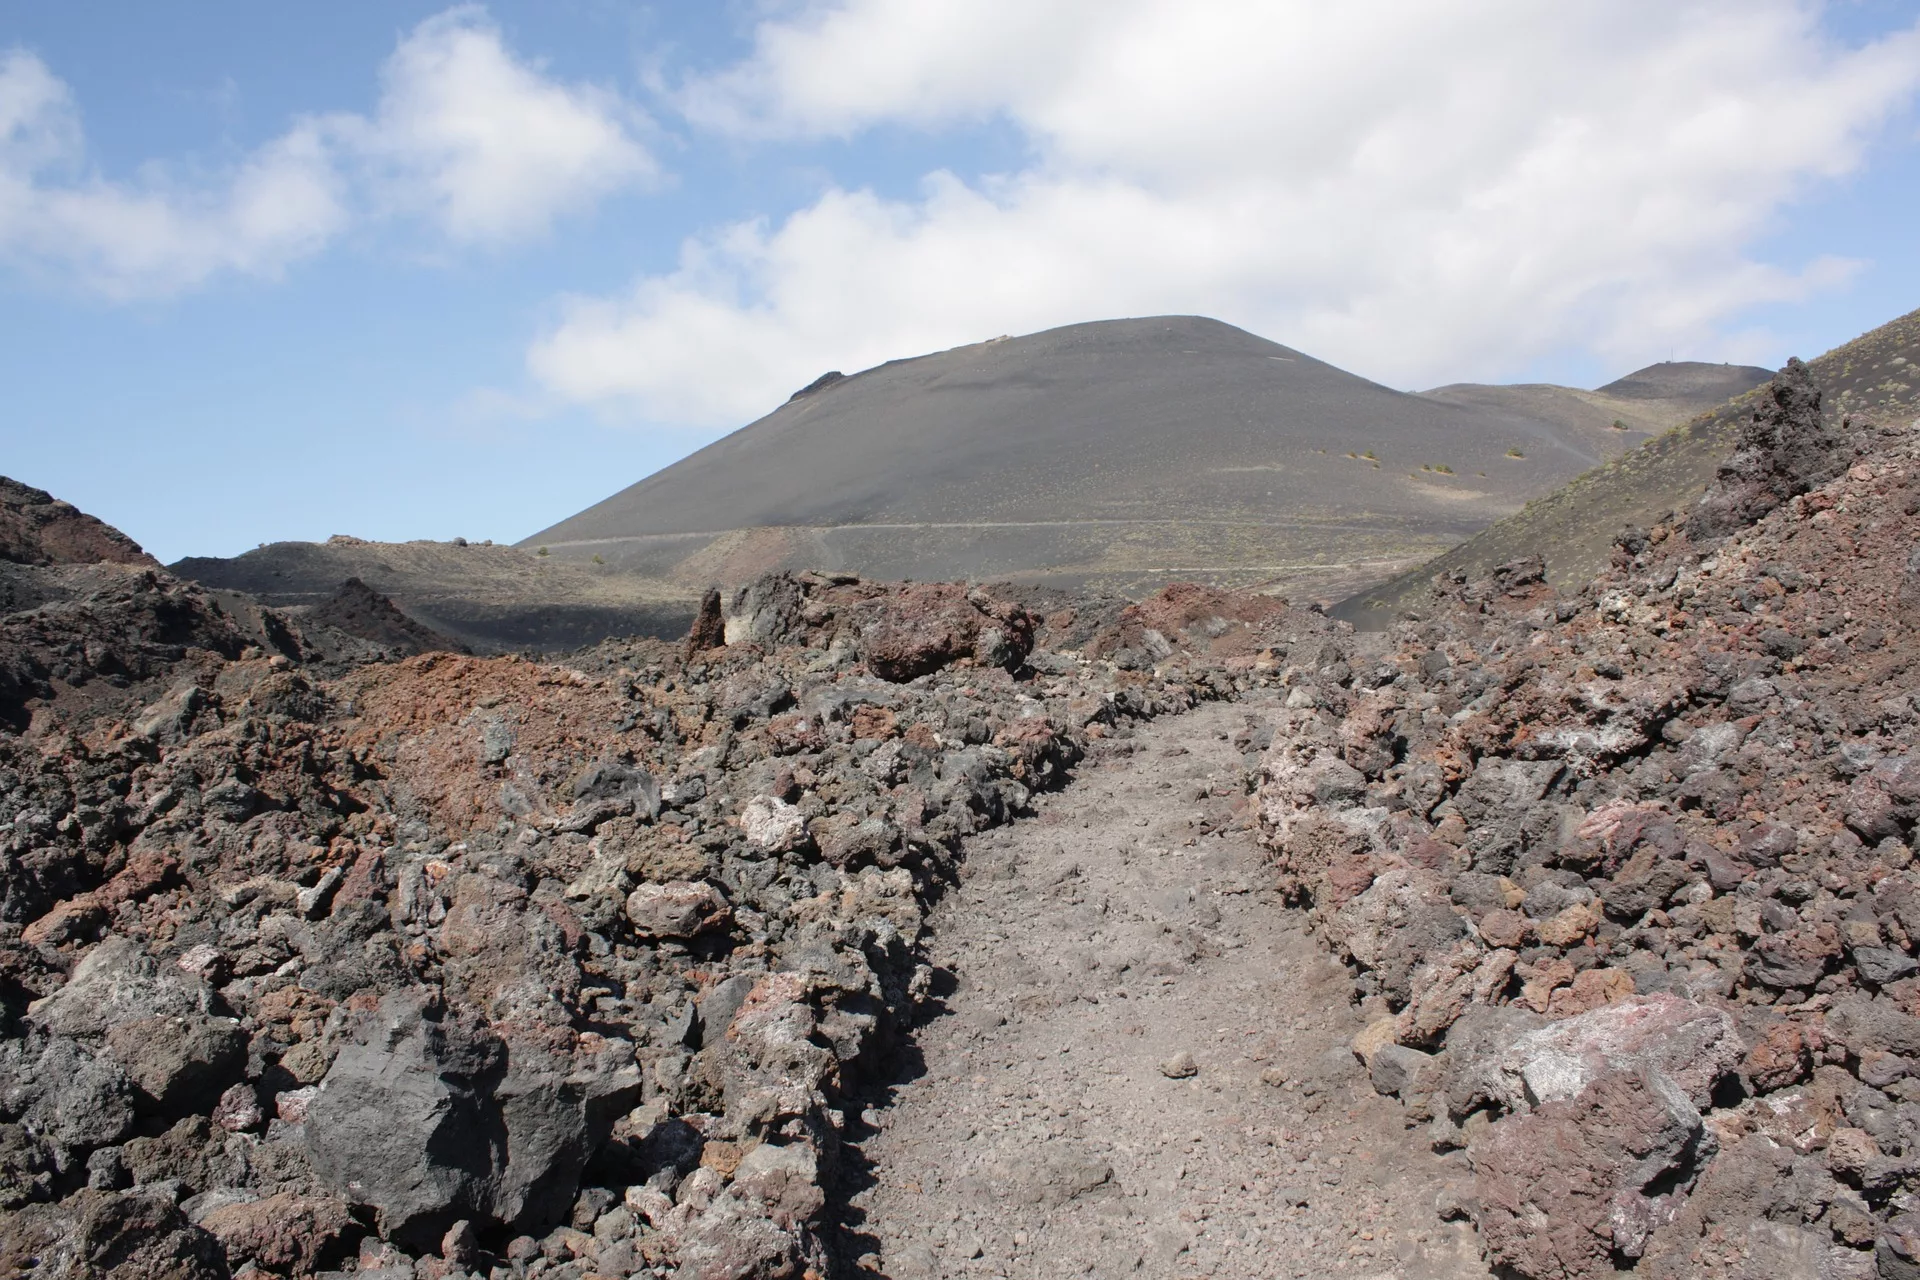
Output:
[[1143, 1066]]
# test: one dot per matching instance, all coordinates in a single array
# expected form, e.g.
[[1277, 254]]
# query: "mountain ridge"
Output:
[[1113, 453], [1572, 529]]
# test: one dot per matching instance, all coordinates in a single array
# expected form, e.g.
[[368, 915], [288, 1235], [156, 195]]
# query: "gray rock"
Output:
[[180, 1064], [1474, 1046], [107, 1170], [430, 1119], [1863, 1024], [231, 801], [1784, 448], [1881, 965], [622, 784], [27, 1167], [1501, 789], [497, 740], [118, 982], [64, 1094], [171, 718], [1897, 1252], [1400, 1071], [1335, 783], [763, 611], [720, 1003]]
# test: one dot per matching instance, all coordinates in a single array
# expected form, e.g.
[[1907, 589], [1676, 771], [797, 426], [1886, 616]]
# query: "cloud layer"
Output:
[[1420, 190], [480, 145]]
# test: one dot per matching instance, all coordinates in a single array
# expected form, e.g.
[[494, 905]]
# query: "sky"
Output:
[[406, 270]]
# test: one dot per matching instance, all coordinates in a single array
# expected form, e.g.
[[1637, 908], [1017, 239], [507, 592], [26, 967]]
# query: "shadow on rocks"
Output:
[[847, 1239]]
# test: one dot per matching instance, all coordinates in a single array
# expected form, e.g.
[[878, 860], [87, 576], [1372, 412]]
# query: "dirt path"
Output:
[[1052, 1130]]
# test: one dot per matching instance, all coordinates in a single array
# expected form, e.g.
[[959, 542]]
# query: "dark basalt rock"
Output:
[[1785, 448]]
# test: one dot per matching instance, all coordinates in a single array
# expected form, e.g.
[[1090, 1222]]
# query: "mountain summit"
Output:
[[1117, 453]]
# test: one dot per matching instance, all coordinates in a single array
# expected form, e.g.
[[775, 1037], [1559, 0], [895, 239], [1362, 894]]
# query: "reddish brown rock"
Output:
[[1589, 991], [709, 629], [1560, 1189], [37, 528], [132, 1235], [926, 626], [1503, 928], [1781, 1057], [289, 1234]]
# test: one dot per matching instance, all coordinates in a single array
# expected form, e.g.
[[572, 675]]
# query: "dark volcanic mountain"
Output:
[[1118, 453], [1687, 379]]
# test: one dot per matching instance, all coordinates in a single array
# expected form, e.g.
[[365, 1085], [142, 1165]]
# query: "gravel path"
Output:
[[1054, 1127]]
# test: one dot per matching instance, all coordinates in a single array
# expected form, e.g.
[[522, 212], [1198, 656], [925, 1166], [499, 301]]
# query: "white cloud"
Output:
[[482, 145], [485, 145], [163, 234], [1418, 190]]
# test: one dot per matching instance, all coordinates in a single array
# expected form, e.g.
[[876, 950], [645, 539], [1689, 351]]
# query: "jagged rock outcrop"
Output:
[[37, 528], [1785, 448]]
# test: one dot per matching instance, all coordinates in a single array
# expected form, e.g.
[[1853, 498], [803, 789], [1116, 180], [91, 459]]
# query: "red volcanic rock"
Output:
[[1561, 1189], [38, 528], [286, 1234], [926, 626]]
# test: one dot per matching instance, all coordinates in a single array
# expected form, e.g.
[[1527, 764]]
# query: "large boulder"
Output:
[[926, 626], [63, 1094], [763, 612], [1693, 1045], [429, 1118], [117, 983], [1562, 1189]]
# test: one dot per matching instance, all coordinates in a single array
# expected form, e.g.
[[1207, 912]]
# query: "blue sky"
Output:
[[404, 270]]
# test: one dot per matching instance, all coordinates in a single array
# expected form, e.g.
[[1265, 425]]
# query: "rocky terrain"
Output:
[[919, 929], [1572, 528], [1626, 876], [319, 958]]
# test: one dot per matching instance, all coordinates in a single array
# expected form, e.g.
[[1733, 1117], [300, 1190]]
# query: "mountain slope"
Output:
[[1117, 453], [1622, 413], [487, 597], [1573, 528]]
